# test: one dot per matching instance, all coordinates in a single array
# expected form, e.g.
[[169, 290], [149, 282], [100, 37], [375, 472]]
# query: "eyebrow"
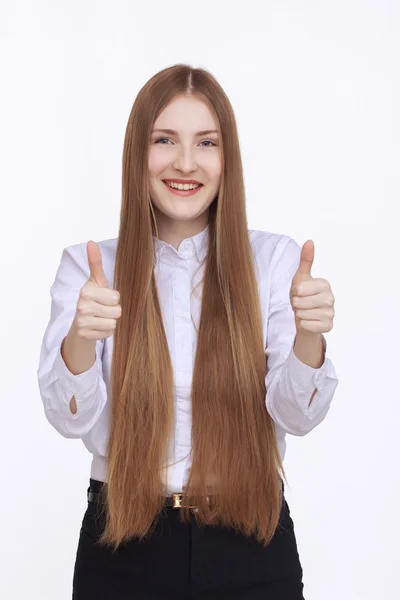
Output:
[[199, 133]]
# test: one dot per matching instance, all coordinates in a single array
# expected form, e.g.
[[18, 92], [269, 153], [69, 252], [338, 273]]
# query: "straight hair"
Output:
[[235, 456]]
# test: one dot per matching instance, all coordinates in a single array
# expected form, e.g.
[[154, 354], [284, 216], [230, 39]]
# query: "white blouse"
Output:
[[289, 382]]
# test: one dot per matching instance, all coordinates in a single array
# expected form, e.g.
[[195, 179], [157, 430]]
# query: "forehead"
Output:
[[186, 114]]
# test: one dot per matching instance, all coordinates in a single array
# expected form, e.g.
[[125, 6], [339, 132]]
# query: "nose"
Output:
[[185, 160]]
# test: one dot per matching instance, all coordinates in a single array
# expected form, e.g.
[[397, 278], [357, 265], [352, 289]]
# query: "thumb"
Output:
[[306, 259], [97, 274]]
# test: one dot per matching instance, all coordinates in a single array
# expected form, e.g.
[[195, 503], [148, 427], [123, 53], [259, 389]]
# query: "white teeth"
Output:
[[182, 186]]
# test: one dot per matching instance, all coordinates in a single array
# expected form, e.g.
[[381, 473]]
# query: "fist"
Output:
[[98, 308]]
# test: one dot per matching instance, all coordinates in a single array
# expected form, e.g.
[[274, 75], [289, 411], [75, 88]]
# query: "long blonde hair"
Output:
[[233, 436]]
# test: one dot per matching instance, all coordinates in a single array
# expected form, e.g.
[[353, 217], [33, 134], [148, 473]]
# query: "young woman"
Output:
[[181, 353]]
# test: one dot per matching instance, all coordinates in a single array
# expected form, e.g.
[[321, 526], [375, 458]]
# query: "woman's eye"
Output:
[[168, 140]]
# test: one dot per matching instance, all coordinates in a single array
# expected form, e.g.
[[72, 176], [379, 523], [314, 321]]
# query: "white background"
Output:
[[315, 89]]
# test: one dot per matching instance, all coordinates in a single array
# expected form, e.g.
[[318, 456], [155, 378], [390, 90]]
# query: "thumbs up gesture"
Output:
[[311, 299], [98, 308]]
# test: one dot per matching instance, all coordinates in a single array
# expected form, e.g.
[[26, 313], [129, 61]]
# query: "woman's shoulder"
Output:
[[277, 255], [271, 247]]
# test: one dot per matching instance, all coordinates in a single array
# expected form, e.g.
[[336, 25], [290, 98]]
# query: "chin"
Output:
[[181, 214]]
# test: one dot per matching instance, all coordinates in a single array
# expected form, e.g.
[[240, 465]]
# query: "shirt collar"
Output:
[[195, 245]]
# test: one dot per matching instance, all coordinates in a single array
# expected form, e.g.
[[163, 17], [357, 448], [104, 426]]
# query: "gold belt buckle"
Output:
[[177, 501]]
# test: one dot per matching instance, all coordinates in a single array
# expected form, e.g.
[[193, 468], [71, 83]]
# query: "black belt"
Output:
[[174, 501]]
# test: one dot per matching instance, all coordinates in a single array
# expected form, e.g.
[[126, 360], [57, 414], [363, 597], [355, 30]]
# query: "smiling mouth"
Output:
[[180, 191]]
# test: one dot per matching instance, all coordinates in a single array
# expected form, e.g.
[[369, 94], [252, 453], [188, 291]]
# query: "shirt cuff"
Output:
[[77, 385], [305, 376]]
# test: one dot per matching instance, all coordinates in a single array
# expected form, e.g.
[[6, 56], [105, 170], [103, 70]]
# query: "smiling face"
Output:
[[188, 151]]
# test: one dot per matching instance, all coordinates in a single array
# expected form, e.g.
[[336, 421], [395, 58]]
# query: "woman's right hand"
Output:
[[98, 308]]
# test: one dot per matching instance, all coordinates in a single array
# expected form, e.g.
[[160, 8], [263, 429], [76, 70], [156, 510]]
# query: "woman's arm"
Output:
[[73, 398], [298, 395]]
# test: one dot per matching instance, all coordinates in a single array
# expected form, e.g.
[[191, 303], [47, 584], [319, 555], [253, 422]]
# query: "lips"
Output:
[[183, 193], [182, 181]]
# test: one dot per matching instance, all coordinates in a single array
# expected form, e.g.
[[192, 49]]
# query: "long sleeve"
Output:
[[289, 382], [57, 384]]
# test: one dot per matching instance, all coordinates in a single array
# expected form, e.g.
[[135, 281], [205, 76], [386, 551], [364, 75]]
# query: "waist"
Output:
[[174, 500], [174, 480]]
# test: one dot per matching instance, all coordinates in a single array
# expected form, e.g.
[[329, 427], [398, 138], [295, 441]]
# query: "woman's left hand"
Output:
[[311, 299]]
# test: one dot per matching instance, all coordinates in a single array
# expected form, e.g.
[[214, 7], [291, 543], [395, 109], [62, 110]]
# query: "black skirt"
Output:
[[183, 561]]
